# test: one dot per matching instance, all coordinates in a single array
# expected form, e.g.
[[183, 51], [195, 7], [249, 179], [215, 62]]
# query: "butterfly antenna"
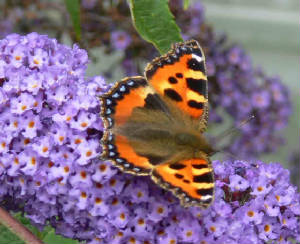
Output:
[[234, 129], [224, 152]]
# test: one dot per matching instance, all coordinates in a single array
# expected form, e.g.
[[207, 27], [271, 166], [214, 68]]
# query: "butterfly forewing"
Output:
[[180, 76], [117, 107]]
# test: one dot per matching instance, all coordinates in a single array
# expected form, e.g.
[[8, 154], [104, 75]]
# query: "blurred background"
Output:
[[269, 31]]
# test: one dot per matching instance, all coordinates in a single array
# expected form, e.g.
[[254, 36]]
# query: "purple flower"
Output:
[[188, 230], [235, 55], [167, 236], [157, 210], [269, 228], [88, 4], [261, 99], [210, 68], [130, 67], [120, 40], [216, 227], [138, 192], [234, 230], [252, 212], [238, 183], [279, 92], [196, 12], [261, 187], [288, 219]]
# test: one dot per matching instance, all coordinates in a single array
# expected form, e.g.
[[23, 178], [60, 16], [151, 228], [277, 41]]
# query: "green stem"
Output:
[[17, 228]]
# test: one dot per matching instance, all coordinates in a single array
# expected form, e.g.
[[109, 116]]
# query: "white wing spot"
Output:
[[206, 197], [122, 88], [199, 59], [115, 95]]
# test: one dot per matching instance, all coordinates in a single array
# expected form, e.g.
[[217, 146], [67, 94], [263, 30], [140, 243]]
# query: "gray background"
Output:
[[269, 31]]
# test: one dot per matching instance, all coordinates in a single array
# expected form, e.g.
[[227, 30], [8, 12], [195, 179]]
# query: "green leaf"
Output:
[[155, 23], [47, 235], [73, 7], [6, 236], [51, 238], [186, 4], [26, 222]]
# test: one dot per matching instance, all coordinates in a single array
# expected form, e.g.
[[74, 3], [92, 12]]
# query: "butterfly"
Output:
[[154, 125]]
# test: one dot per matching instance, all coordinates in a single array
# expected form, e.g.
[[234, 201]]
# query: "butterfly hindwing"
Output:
[[180, 76], [123, 100], [192, 180]]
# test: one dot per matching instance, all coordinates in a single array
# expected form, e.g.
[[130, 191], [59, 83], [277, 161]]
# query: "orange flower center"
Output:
[[33, 161], [250, 213], [212, 228], [122, 216], [98, 200], [160, 210], [141, 222], [267, 228], [66, 169], [88, 153], [102, 167], [83, 124], [83, 174], [260, 188]]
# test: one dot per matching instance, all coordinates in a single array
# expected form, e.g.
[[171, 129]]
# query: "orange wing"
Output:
[[116, 108], [192, 181], [180, 75]]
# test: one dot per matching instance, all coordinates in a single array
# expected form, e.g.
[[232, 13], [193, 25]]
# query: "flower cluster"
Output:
[[49, 165], [49, 123], [242, 91]]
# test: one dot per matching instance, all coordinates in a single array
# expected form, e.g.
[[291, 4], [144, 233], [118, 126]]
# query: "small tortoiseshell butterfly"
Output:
[[154, 125]]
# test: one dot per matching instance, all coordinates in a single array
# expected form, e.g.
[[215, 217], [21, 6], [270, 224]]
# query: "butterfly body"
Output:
[[171, 138], [154, 126]]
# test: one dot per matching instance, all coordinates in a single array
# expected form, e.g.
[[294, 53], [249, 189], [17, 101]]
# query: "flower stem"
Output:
[[17, 228]]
